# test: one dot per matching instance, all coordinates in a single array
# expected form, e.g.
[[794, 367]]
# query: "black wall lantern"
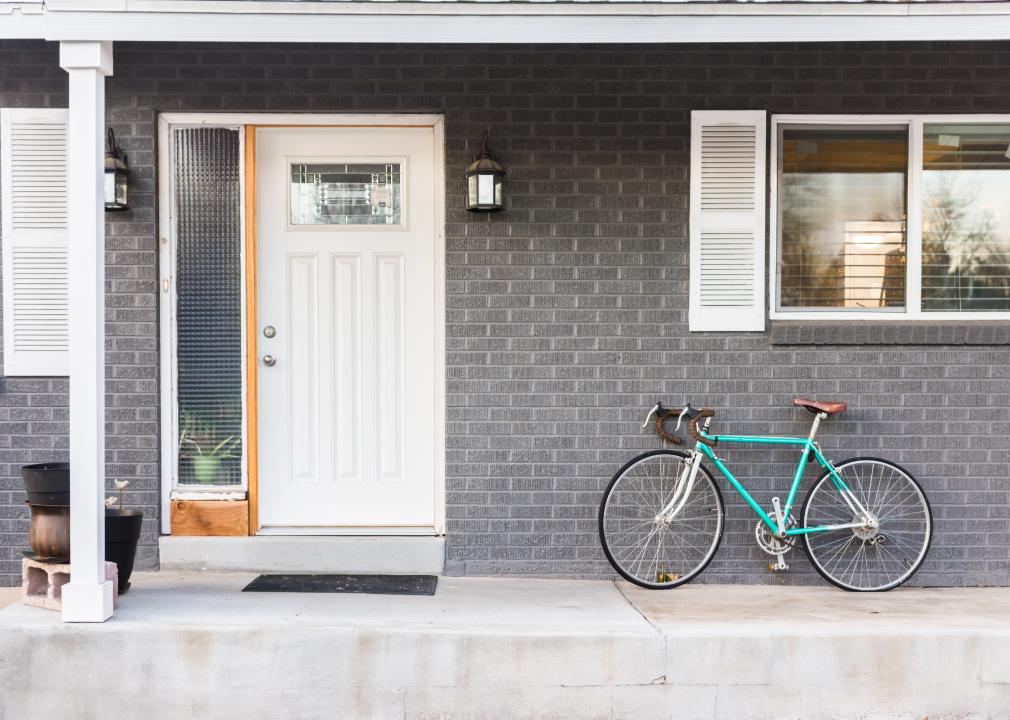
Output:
[[116, 171], [484, 179]]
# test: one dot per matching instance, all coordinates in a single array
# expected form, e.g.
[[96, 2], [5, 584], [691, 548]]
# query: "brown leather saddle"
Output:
[[815, 406]]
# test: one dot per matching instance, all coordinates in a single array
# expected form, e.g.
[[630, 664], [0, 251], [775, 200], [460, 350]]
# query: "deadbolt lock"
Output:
[[269, 331]]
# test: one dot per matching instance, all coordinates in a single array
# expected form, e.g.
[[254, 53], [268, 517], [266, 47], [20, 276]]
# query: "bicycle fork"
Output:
[[681, 492]]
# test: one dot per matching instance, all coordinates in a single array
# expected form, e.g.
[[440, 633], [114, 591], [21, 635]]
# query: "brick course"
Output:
[[567, 313]]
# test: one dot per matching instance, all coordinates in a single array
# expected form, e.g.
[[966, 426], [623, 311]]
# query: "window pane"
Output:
[[209, 305], [842, 217], [966, 217], [345, 194]]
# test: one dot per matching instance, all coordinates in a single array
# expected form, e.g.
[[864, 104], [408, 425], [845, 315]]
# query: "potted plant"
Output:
[[122, 533], [206, 450]]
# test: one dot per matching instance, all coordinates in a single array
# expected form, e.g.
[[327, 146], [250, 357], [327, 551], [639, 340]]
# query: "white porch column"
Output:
[[88, 596]]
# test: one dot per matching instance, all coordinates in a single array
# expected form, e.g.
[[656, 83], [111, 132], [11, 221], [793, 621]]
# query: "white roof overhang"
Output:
[[501, 21]]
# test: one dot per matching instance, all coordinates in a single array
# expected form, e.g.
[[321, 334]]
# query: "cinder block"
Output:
[[42, 583]]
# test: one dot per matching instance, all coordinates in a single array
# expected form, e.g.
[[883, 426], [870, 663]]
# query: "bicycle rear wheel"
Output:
[[653, 553], [868, 558]]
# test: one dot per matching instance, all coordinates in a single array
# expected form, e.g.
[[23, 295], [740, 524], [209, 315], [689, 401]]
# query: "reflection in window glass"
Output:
[[842, 217], [966, 217], [345, 194]]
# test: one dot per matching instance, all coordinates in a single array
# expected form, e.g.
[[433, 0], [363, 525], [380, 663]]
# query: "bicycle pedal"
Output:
[[664, 577], [777, 567]]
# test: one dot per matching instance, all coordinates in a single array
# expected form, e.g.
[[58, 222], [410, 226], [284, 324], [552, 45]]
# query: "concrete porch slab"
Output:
[[9, 596], [192, 645], [304, 554]]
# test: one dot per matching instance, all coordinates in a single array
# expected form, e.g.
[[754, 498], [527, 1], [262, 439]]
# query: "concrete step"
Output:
[[304, 554], [194, 646]]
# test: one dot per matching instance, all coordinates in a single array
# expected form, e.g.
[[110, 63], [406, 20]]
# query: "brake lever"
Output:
[[680, 419], [648, 418]]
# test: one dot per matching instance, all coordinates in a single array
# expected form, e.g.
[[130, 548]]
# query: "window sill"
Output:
[[909, 332], [210, 492]]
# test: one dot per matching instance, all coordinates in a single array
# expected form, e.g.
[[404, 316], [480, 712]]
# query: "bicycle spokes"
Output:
[[878, 553], [647, 545]]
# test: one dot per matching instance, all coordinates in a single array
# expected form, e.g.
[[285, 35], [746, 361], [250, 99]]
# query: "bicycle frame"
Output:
[[777, 525]]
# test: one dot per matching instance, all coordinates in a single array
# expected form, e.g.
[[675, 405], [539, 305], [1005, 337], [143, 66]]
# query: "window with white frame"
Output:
[[890, 217]]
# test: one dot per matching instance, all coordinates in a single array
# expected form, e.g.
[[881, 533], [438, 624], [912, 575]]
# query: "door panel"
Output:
[[347, 377], [387, 332], [302, 378], [346, 275]]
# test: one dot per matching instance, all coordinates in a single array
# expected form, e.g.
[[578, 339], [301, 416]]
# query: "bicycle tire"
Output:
[[927, 519], [608, 499]]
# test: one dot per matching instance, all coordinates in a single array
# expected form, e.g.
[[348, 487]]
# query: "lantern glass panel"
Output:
[[472, 191], [110, 187], [497, 191], [121, 192], [485, 189]]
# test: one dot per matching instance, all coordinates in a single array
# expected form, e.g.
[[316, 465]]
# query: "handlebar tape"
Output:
[[661, 428], [693, 426]]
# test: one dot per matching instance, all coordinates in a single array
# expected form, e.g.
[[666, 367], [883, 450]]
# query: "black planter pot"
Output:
[[47, 483], [122, 532]]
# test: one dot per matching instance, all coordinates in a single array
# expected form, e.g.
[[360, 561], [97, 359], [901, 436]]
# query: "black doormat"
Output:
[[376, 584]]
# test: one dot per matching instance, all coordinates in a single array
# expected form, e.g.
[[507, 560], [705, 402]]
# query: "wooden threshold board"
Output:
[[210, 517]]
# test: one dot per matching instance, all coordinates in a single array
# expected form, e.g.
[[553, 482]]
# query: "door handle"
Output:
[[269, 360]]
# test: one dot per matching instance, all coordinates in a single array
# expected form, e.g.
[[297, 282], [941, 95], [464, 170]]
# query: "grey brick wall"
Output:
[[567, 314], [33, 411]]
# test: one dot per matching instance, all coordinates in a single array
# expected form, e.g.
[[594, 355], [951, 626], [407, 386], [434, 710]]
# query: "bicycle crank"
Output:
[[774, 545]]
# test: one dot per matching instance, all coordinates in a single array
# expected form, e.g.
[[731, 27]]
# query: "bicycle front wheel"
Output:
[[868, 557], [653, 552]]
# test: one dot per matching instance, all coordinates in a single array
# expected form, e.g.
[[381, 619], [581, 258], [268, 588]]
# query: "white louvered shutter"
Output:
[[33, 162], [727, 220]]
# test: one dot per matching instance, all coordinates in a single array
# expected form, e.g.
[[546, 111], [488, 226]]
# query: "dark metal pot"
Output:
[[122, 533], [49, 531], [47, 483]]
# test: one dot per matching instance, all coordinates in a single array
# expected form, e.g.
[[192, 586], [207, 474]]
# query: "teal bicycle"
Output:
[[866, 524]]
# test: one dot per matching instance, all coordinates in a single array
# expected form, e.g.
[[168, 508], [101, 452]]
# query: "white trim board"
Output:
[[229, 119], [533, 7], [621, 23], [166, 327], [166, 243], [913, 232]]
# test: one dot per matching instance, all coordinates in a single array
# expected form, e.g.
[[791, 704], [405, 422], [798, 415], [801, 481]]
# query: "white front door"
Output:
[[345, 315]]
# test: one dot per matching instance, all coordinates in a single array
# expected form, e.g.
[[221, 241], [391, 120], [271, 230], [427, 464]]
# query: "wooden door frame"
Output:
[[247, 124]]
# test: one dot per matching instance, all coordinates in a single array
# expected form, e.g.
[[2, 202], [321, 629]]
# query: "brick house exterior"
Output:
[[567, 314]]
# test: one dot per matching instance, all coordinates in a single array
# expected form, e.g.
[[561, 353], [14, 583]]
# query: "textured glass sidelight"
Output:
[[208, 310], [345, 194]]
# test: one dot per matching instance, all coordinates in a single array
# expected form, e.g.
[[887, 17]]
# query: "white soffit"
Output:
[[503, 21], [21, 20]]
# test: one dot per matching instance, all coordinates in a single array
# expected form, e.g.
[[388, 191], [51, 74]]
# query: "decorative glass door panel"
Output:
[[346, 193]]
